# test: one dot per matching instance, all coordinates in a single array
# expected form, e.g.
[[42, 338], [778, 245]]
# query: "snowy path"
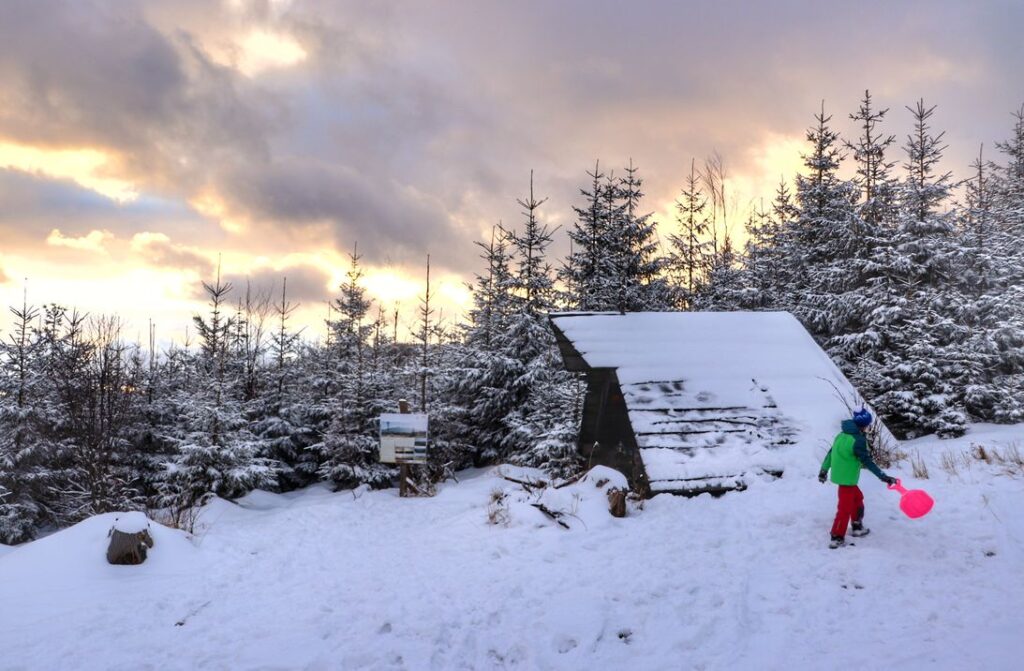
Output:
[[326, 581]]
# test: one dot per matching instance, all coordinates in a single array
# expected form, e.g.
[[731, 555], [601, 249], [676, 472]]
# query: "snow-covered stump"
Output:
[[617, 502], [129, 539]]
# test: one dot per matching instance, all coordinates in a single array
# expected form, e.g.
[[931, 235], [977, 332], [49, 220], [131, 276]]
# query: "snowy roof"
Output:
[[743, 384]]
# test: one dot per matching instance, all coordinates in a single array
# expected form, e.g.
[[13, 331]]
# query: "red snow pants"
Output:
[[851, 508]]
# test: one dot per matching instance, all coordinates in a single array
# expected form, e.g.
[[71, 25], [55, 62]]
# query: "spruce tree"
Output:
[[23, 456], [908, 356], [350, 445], [691, 250], [216, 452]]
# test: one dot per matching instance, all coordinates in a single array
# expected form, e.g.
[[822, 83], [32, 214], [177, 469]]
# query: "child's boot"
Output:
[[859, 530], [836, 542]]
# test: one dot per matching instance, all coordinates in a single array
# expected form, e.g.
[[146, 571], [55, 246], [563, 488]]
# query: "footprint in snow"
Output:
[[564, 644]]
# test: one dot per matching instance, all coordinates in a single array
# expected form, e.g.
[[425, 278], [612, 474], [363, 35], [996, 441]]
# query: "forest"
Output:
[[909, 277]]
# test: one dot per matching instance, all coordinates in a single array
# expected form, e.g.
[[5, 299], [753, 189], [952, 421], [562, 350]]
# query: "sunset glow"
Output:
[[89, 168], [262, 50], [275, 136]]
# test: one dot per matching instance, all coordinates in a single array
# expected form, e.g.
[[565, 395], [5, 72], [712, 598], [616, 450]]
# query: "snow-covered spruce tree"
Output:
[[640, 265], [168, 383], [614, 263], [843, 301], [727, 282], [216, 452], [689, 260], [450, 450], [279, 416], [67, 354], [588, 273], [481, 376], [767, 269], [1009, 182], [537, 427], [908, 357], [979, 233], [102, 411], [994, 232], [350, 445], [24, 473], [874, 169], [822, 238]]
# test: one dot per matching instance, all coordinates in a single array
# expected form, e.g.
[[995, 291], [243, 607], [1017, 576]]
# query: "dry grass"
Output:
[[950, 462], [497, 508], [885, 452], [1010, 459], [918, 467], [979, 453], [179, 514]]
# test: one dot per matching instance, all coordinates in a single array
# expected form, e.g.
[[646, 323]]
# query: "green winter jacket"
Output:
[[848, 454]]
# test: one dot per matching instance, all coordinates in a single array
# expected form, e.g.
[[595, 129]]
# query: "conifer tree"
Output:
[[691, 253], [878, 189], [908, 354], [822, 238], [586, 271], [350, 444], [639, 264], [23, 473], [216, 452]]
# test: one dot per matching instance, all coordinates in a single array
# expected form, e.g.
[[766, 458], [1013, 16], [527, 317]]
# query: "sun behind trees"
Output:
[[910, 280]]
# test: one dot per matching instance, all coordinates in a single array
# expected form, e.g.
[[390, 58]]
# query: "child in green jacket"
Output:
[[848, 455]]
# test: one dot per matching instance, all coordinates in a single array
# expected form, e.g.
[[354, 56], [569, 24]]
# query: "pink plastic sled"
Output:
[[914, 502]]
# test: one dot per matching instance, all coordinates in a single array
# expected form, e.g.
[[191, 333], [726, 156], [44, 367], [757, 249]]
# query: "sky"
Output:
[[144, 142]]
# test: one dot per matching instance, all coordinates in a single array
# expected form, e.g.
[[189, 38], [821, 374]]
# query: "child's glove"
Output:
[[822, 476], [889, 480]]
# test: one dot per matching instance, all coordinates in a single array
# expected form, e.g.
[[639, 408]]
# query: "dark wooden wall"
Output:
[[606, 435]]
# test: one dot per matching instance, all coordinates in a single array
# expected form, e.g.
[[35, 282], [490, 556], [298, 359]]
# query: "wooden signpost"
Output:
[[404, 440]]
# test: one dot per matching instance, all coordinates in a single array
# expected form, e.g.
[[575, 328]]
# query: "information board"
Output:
[[403, 438]]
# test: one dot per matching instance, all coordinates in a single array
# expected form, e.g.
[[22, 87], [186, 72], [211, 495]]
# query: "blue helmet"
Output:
[[862, 418]]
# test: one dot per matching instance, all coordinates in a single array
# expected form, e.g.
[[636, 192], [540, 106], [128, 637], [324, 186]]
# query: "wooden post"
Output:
[[403, 469]]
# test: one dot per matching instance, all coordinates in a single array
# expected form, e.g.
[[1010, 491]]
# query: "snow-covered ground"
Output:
[[367, 580]]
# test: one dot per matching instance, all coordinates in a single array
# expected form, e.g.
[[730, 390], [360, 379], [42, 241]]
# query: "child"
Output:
[[848, 454]]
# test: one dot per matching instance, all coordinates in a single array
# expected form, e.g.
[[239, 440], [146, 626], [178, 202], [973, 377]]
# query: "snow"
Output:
[[752, 386], [131, 522], [367, 580]]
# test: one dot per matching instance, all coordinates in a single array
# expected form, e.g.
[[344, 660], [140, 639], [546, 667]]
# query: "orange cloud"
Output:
[[94, 241], [89, 168], [158, 250]]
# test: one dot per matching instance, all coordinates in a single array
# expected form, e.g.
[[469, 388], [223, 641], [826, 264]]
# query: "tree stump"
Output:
[[617, 502], [129, 539]]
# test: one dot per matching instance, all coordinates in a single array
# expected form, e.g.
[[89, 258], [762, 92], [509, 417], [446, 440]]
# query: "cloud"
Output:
[[99, 76], [411, 128], [4, 279], [262, 50], [387, 219], [93, 241], [306, 284], [86, 167], [158, 250]]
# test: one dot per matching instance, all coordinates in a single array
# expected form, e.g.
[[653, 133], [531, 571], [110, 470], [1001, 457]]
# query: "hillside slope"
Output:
[[366, 580]]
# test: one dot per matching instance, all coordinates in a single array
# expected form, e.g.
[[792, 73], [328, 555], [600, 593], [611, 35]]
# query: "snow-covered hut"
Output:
[[693, 402]]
